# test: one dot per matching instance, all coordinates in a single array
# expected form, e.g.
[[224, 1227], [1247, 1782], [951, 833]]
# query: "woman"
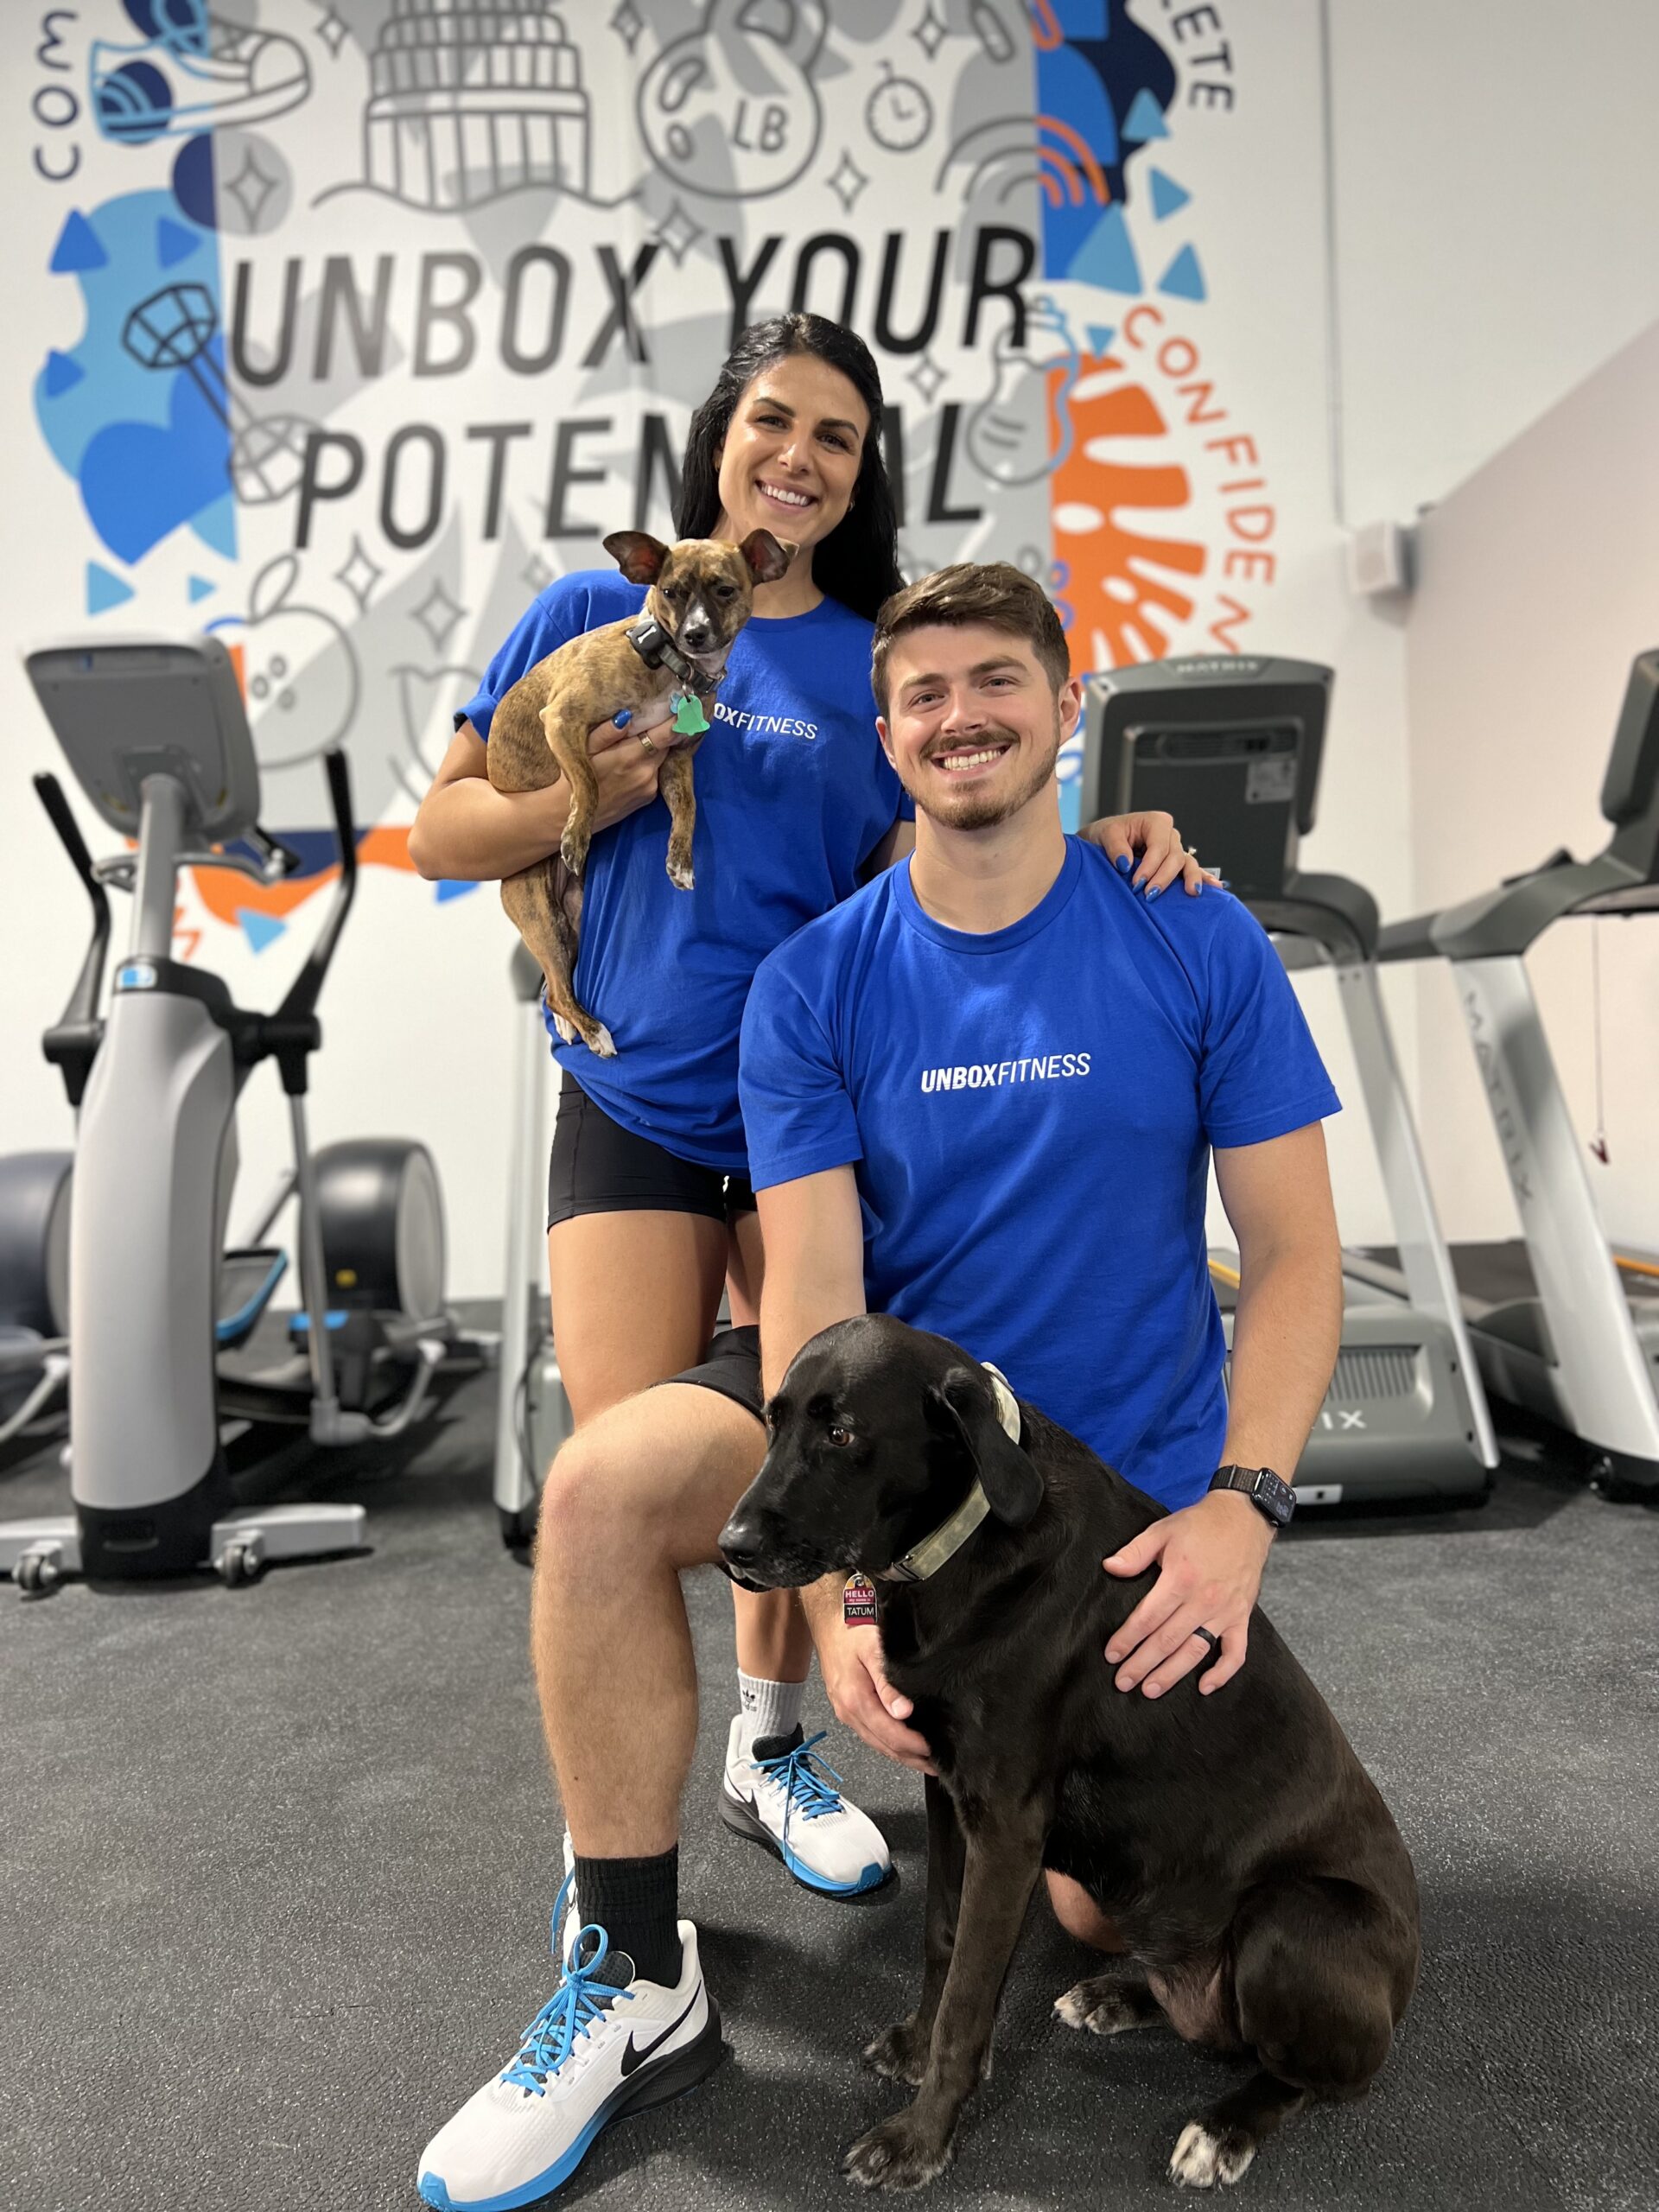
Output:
[[650, 1210]]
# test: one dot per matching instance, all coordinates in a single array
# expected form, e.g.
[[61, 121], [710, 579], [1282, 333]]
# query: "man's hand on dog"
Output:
[[865, 1701], [1148, 848], [1210, 1558]]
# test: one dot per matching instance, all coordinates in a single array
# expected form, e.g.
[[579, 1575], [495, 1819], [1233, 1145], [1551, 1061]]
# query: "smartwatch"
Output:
[[1267, 1491]]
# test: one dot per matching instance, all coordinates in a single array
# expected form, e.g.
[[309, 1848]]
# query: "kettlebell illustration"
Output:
[[731, 109]]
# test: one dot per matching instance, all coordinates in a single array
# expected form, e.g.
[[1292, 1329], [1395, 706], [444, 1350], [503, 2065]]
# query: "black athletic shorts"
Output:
[[731, 1367], [598, 1167]]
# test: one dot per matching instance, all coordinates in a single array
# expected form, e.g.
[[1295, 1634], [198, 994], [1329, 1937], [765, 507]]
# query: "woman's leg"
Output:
[[634, 1299], [774, 1643]]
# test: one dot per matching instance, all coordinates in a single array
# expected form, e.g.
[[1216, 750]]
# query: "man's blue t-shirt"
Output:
[[1031, 1114], [793, 795]]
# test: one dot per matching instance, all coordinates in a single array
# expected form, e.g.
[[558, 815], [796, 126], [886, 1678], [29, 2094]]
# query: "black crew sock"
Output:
[[636, 1902], [774, 1747]]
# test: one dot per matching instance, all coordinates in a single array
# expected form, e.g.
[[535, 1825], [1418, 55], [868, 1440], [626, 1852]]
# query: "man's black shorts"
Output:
[[598, 1167]]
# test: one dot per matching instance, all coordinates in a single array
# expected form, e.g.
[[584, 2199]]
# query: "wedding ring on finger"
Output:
[[646, 742]]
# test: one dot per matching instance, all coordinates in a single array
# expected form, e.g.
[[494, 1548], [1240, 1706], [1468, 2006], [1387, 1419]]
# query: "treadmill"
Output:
[[1232, 748], [1561, 1324]]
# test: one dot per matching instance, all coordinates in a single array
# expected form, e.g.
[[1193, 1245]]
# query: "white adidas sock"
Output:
[[769, 1708]]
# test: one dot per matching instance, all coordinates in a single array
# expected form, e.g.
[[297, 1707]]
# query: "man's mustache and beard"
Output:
[[988, 800]]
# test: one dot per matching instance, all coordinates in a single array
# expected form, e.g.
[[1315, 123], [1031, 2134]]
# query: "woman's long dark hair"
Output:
[[858, 562]]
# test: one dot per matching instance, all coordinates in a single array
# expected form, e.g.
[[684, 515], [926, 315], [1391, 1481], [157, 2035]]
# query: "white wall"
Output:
[[1496, 172], [1495, 178], [1539, 583]]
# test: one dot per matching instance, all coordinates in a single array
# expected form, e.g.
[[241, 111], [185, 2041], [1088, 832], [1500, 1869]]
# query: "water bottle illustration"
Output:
[[1012, 436]]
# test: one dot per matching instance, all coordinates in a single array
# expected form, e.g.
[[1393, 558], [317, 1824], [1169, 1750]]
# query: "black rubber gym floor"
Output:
[[276, 1867]]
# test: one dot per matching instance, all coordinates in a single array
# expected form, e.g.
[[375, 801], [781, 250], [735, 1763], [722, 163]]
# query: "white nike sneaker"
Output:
[[606, 2045], [790, 1805]]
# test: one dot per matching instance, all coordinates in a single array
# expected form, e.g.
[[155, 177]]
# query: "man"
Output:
[[982, 1094]]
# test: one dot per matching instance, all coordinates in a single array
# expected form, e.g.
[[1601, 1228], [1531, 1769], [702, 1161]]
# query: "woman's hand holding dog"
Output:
[[864, 1700], [625, 769], [1211, 1557]]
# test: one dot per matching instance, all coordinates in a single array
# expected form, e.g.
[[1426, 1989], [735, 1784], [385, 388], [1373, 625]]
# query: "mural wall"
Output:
[[369, 317], [341, 326]]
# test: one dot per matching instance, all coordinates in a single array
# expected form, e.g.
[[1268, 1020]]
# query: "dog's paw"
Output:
[[902, 2153], [567, 1029], [602, 1042], [1203, 2156], [573, 851], [680, 874], [901, 2054], [1102, 2006]]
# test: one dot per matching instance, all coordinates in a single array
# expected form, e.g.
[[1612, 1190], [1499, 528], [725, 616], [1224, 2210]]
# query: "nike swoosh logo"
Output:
[[634, 2056]]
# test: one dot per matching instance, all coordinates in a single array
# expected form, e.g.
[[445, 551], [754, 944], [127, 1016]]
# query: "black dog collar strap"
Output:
[[926, 1558], [658, 650]]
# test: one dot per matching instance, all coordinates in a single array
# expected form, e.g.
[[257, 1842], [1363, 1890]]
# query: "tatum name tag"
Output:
[[858, 1602]]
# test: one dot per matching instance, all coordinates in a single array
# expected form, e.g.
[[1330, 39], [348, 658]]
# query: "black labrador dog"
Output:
[[1248, 1861]]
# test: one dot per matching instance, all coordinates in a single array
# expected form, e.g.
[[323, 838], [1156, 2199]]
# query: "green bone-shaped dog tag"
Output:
[[689, 721]]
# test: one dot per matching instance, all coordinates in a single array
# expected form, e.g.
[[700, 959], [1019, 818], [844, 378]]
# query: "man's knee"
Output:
[[590, 1516]]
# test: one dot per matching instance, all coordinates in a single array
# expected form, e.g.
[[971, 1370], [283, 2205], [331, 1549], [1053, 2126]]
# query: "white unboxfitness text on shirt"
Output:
[[987, 1074]]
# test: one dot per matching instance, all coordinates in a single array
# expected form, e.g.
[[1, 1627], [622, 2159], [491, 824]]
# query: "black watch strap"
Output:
[[1268, 1492]]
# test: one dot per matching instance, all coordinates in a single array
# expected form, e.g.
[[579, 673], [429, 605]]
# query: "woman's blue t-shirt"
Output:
[[793, 795]]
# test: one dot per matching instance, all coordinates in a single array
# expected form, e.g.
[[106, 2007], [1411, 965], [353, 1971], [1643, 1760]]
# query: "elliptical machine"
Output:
[[158, 738]]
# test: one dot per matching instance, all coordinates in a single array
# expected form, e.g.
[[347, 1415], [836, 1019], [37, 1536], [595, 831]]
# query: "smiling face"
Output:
[[974, 723], [792, 452]]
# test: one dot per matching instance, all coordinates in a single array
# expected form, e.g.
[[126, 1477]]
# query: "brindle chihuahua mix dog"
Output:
[[1264, 1900], [663, 666]]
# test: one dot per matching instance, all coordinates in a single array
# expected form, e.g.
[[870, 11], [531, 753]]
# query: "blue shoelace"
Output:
[[805, 1782], [582, 1996]]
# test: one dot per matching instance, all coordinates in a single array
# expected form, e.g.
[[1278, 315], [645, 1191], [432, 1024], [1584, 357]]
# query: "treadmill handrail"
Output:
[[1332, 912], [1508, 919]]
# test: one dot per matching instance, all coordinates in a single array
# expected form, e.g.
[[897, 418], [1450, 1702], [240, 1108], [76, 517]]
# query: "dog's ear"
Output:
[[964, 1405], [768, 557], [640, 556]]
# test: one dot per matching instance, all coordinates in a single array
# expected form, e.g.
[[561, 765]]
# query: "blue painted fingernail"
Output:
[[1123, 862], [1152, 894], [623, 718]]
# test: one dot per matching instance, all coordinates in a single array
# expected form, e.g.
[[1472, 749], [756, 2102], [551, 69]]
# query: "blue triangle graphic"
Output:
[[77, 247], [1100, 335], [104, 589], [1145, 118], [173, 242], [260, 930], [1184, 279], [1166, 195], [450, 888], [1106, 258], [200, 589], [61, 373]]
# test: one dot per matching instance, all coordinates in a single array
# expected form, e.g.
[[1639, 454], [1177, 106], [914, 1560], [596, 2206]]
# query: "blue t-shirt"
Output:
[[1031, 1114], [793, 795]]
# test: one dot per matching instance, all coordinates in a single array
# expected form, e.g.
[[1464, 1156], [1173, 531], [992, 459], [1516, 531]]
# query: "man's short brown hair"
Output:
[[995, 593]]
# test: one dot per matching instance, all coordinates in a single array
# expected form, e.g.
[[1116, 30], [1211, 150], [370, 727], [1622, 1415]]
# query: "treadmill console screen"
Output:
[[1231, 748]]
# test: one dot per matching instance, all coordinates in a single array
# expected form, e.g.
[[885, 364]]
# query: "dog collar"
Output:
[[658, 650], [926, 1558]]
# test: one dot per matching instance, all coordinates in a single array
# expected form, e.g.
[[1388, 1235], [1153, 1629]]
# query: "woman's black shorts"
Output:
[[598, 1167]]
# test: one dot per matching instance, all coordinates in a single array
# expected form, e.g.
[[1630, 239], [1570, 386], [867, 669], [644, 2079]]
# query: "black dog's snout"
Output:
[[742, 1539], [697, 636]]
